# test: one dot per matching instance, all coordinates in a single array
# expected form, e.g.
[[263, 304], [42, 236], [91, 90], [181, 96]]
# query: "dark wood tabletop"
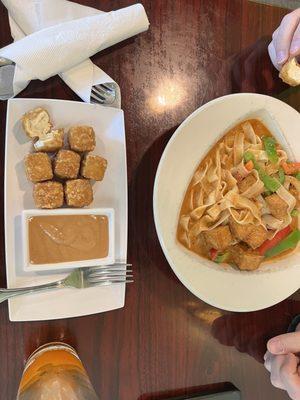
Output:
[[165, 341]]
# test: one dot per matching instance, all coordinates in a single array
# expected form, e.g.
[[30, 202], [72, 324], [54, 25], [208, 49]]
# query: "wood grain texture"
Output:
[[165, 341]]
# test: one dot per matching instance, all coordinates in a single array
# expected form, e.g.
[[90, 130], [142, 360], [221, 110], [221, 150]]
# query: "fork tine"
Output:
[[104, 88], [109, 278], [97, 97], [107, 283]]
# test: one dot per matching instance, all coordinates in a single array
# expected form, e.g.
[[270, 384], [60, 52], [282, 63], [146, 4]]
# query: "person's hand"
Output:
[[282, 361], [286, 39]]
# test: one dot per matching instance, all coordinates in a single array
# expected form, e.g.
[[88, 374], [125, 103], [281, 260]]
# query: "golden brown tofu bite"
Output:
[[36, 123], [218, 238], [48, 194], [38, 167], [245, 258], [246, 183], [78, 193], [66, 164], [251, 234], [93, 167], [52, 141], [82, 138], [277, 206]]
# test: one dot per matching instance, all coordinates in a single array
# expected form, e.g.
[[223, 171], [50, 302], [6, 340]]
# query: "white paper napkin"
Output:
[[62, 35]]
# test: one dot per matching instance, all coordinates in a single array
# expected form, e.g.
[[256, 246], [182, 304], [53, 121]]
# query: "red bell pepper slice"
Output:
[[268, 244]]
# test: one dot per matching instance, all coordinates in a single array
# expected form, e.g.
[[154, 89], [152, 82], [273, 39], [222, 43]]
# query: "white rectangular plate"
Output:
[[108, 124]]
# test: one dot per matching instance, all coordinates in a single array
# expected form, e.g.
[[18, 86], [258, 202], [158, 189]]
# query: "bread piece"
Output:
[[36, 123], [82, 138], [290, 72], [52, 141], [48, 194], [67, 164], [38, 167], [93, 167], [78, 193]]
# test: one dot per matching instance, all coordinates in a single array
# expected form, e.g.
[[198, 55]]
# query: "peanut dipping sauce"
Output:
[[63, 238]]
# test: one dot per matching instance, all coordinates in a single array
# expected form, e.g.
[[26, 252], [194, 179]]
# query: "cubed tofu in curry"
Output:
[[246, 259], [277, 206], [251, 234], [246, 183], [218, 238]]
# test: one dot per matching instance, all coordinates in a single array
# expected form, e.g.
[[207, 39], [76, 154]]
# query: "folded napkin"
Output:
[[58, 37]]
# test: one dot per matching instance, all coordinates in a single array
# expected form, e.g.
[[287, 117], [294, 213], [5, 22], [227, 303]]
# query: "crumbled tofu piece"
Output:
[[82, 138], [246, 183], [93, 167], [38, 167], [78, 192], [67, 164], [277, 206], [251, 234], [48, 194], [245, 258], [218, 238], [52, 141], [36, 123]]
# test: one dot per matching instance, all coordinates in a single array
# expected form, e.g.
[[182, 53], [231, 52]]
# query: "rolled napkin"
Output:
[[65, 48]]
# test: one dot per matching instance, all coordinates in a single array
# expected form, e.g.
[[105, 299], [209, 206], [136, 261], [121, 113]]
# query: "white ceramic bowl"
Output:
[[225, 288], [110, 259]]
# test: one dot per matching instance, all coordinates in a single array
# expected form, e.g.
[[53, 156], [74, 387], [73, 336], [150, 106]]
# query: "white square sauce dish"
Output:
[[67, 238]]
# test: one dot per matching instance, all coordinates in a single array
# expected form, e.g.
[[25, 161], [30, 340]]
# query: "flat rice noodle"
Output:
[[207, 223], [199, 174], [238, 149], [242, 217], [260, 155], [198, 212], [264, 205], [241, 202], [291, 180], [287, 197], [271, 222], [256, 189], [184, 238], [249, 132], [184, 222], [239, 171]]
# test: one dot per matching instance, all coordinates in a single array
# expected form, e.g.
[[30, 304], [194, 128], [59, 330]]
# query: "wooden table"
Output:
[[165, 341]]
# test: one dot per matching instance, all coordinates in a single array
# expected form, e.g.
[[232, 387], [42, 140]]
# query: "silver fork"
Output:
[[104, 93], [80, 278]]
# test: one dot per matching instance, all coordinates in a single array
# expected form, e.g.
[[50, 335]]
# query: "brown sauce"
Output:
[[64, 238], [198, 245]]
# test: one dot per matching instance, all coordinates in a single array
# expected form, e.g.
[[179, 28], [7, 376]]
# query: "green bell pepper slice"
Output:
[[290, 242], [270, 147]]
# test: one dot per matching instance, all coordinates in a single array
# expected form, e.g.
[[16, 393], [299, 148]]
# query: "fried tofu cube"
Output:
[[218, 238], [251, 234], [48, 194], [93, 167], [277, 206], [245, 258], [78, 192], [67, 164], [38, 167], [82, 138], [246, 183], [52, 141], [36, 123]]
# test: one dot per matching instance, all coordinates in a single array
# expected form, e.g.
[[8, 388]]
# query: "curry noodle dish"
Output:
[[241, 206]]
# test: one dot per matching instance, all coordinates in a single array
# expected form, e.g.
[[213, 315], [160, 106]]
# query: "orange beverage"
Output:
[[54, 371]]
